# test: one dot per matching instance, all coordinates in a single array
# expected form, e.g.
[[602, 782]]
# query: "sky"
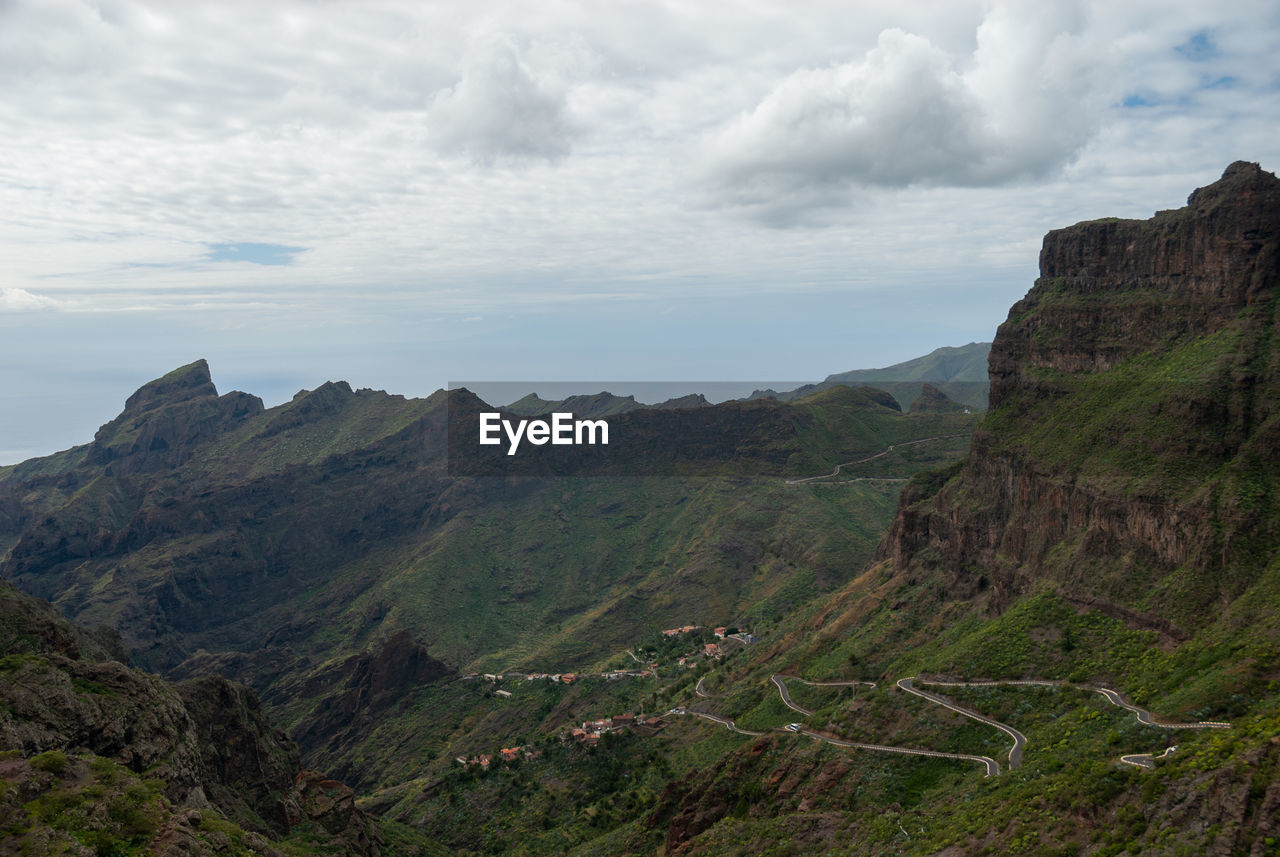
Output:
[[406, 194]]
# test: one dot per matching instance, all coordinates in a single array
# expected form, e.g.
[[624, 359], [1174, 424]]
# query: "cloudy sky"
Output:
[[407, 194]]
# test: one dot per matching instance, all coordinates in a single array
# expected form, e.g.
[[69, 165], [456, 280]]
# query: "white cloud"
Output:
[[501, 107], [21, 300], [908, 112], [140, 132], [137, 133]]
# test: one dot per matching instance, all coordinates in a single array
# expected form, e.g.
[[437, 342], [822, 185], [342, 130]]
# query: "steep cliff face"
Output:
[[141, 757], [1129, 459], [1110, 289], [166, 419]]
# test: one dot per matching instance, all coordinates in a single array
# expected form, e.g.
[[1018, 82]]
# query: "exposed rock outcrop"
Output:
[[165, 419], [1110, 289], [331, 806], [207, 741], [1133, 429]]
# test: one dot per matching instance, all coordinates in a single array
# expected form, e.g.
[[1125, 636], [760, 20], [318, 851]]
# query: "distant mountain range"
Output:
[[601, 404], [958, 372]]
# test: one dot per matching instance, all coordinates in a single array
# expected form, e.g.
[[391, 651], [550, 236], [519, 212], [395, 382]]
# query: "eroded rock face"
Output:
[[1190, 490], [1112, 288], [250, 764], [51, 702], [330, 805], [164, 420]]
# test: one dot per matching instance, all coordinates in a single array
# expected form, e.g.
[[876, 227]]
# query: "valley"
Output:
[[829, 622]]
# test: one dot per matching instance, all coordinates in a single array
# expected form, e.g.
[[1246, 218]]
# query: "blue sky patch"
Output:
[[258, 254], [1199, 47]]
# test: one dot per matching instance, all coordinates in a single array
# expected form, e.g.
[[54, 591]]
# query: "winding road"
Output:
[[716, 718], [786, 697], [1145, 717], [890, 448], [1140, 760], [993, 767], [1019, 740], [777, 679], [1145, 760]]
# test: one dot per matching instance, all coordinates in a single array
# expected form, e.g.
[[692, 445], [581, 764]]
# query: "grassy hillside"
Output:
[[1112, 528], [288, 547]]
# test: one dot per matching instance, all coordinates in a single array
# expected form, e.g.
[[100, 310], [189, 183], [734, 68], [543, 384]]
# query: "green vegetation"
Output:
[[1114, 526]]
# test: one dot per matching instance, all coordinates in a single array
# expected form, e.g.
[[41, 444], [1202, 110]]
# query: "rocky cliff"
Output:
[[165, 420], [1129, 459], [93, 751]]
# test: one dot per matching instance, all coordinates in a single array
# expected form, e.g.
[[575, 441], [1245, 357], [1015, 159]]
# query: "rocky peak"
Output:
[[1241, 182], [1111, 288], [692, 400], [166, 418], [192, 381]]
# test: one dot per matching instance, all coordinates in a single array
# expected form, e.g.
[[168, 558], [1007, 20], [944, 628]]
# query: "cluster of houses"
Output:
[[566, 678], [506, 754], [563, 678], [721, 633], [591, 730]]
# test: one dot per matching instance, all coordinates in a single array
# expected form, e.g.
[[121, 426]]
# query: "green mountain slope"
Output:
[[961, 363], [1113, 526], [1099, 535], [1063, 644], [291, 548]]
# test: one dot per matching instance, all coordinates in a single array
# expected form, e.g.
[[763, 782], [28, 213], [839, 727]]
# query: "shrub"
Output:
[[52, 761]]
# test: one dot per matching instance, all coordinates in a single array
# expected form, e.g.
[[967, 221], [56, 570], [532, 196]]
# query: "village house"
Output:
[[508, 754]]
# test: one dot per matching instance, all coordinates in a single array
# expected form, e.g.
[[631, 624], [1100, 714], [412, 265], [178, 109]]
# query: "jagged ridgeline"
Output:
[[320, 551], [756, 437]]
